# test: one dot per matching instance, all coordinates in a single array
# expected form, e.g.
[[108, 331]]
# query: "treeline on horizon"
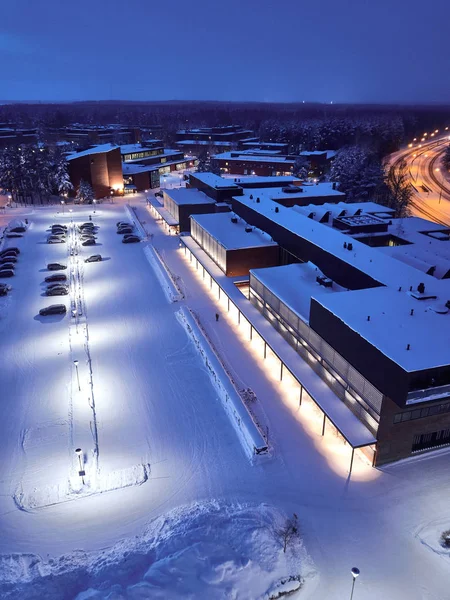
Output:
[[309, 126]]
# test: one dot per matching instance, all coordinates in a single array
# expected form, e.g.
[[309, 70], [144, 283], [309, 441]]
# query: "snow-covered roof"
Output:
[[94, 150], [274, 144], [253, 180], [392, 327], [230, 235], [330, 153], [203, 143], [304, 191], [215, 181], [242, 156], [131, 148], [294, 285], [378, 265], [188, 196]]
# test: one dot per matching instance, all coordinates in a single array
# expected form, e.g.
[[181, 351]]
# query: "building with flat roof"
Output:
[[301, 193], [181, 203], [233, 245], [213, 139], [264, 163], [100, 166], [278, 147], [214, 186], [13, 135], [381, 343]]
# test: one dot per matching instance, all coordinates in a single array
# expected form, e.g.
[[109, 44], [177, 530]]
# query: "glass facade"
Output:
[[363, 399], [209, 244], [172, 207]]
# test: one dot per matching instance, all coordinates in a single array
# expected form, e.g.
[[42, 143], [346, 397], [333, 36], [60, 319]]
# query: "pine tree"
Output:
[[85, 193]]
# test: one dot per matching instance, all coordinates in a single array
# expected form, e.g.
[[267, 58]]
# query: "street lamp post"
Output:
[[70, 211], [94, 201], [75, 362], [355, 572], [62, 202], [81, 472]]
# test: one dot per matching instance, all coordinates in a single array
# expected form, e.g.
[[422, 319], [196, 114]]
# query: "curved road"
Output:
[[431, 197]]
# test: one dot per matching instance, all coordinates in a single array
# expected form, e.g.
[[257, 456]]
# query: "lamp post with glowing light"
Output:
[[355, 572], [70, 211], [62, 202], [75, 362], [94, 202]]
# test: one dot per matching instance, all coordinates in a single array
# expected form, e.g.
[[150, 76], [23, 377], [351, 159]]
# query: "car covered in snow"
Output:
[[8, 250], [130, 239], [94, 258], [6, 272], [56, 266], [125, 230], [57, 290], [56, 239], [8, 265], [54, 309], [88, 242], [56, 277], [8, 258], [14, 235]]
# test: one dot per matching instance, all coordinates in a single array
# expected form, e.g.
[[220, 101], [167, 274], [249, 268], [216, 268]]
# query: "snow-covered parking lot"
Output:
[[189, 505]]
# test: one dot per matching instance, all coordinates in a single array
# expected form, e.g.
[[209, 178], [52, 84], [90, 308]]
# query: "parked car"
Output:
[[56, 239], [54, 309], [125, 230], [56, 266], [88, 242], [6, 273], [88, 224], [7, 265], [130, 239], [58, 231], [123, 224], [59, 225], [56, 277], [8, 258], [14, 235], [57, 290], [94, 258], [12, 249], [18, 229]]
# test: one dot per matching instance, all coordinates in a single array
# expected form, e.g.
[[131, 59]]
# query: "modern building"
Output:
[[274, 147], [213, 139], [138, 178], [319, 160], [101, 166], [214, 186], [233, 245], [180, 203], [374, 327], [264, 163], [85, 135]]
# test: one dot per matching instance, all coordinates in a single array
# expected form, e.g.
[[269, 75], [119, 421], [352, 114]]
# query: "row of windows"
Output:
[[420, 413], [136, 155], [210, 245]]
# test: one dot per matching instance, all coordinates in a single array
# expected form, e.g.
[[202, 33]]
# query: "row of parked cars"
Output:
[[126, 229], [57, 282], [8, 261]]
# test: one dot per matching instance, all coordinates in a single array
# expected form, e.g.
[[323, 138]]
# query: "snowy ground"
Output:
[[155, 405]]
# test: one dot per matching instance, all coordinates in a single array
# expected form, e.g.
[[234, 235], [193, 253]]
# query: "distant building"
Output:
[[319, 160], [263, 163], [101, 166], [214, 186], [212, 139], [12, 135]]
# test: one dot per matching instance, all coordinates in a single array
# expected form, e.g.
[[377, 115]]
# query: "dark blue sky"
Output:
[[267, 50]]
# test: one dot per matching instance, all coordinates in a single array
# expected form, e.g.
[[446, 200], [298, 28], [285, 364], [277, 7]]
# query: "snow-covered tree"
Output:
[[398, 189], [301, 167], [359, 173], [289, 531], [85, 193], [61, 178], [446, 159]]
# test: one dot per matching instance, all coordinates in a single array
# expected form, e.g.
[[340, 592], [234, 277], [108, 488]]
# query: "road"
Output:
[[431, 185]]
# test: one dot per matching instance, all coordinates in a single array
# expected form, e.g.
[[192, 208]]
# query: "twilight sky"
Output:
[[265, 50]]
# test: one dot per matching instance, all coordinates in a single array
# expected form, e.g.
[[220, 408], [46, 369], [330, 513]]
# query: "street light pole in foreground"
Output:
[[355, 573], [81, 472], [75, 362]]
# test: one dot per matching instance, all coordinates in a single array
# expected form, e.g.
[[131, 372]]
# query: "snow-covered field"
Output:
[[191, 515]]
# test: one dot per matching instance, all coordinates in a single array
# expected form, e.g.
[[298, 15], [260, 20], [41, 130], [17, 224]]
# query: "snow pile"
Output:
[[249, 435], [200, 551], [430, 535], [166, 283]]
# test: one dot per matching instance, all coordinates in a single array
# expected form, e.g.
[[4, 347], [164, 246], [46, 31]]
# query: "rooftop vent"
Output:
[[349, 246], [325, 281], [421, 288], [277, 209], [234, 219], [248, 229], [258, 200], [292, 189]]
